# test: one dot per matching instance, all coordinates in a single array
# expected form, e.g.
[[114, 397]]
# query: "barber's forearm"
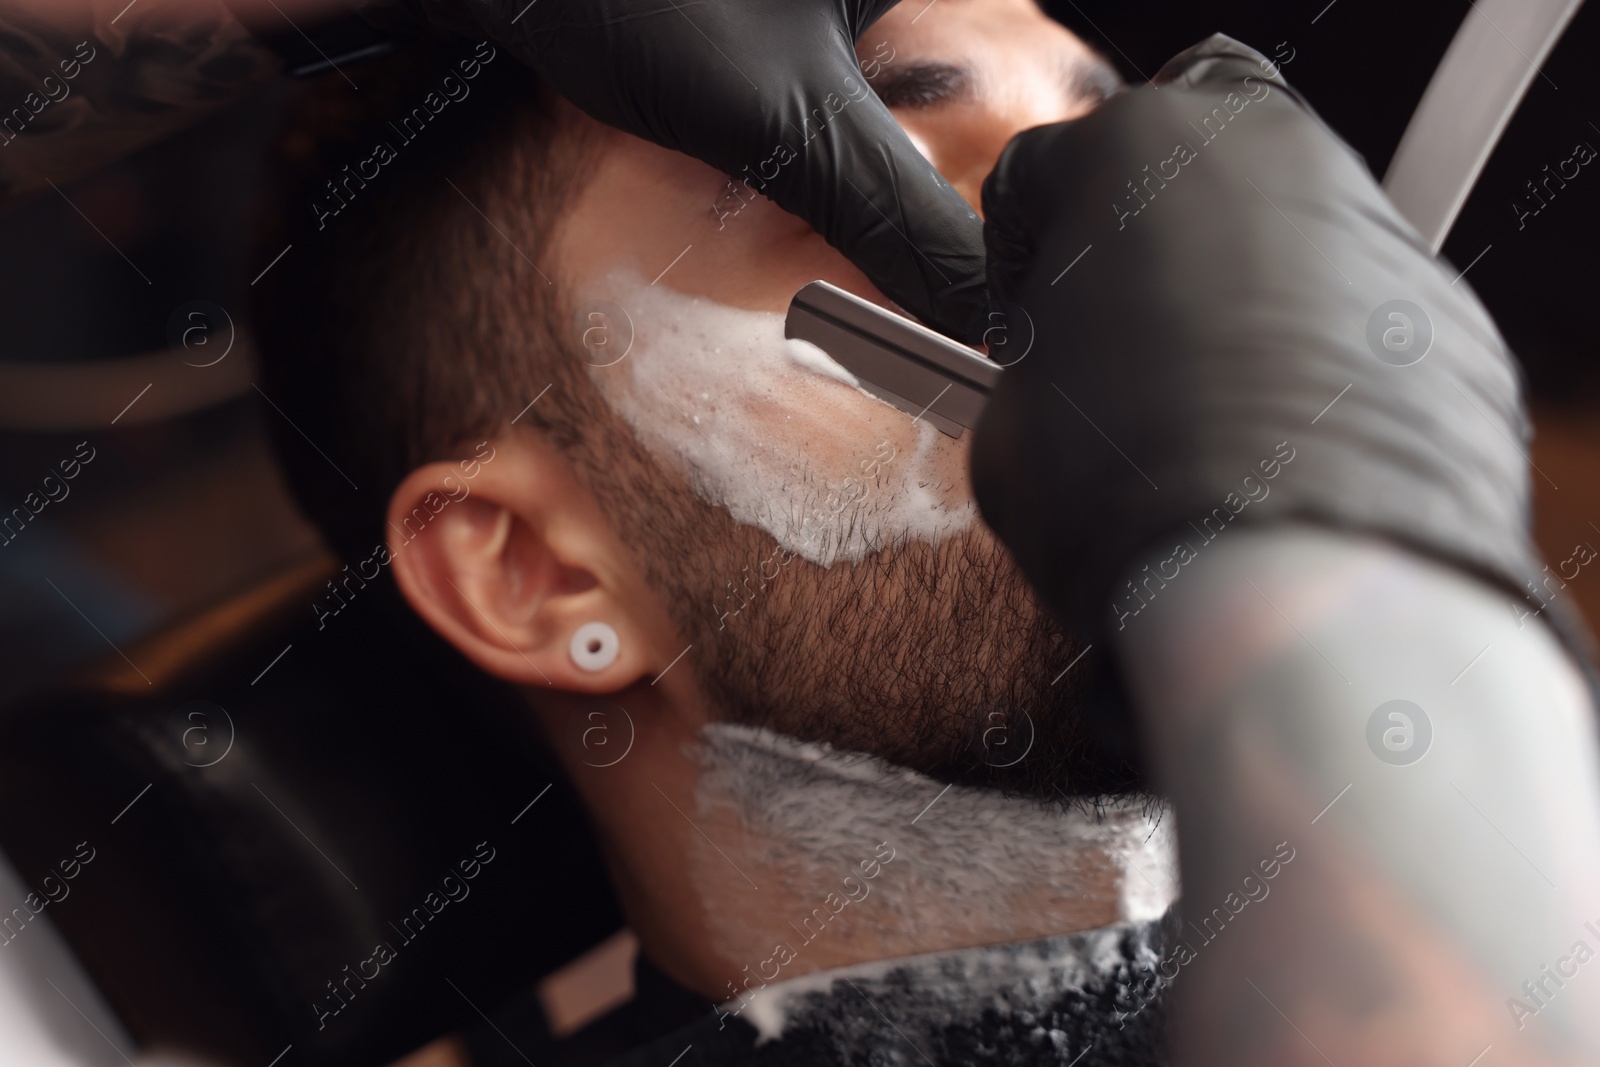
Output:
[[1420, 896], [87, 82]]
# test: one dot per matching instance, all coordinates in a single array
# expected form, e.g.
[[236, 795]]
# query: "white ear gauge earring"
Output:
[[594, 646]]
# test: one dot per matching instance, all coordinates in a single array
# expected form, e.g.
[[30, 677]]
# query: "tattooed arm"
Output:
[[1385, 783], [85, 82]]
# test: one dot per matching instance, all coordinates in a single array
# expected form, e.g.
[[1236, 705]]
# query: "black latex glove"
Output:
[[732, 82], [1200, 342]]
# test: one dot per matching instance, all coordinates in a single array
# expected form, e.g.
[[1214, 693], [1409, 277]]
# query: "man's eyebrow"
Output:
[[922, 85]]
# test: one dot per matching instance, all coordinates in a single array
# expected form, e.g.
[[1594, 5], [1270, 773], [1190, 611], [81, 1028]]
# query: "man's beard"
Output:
[[935, 657]]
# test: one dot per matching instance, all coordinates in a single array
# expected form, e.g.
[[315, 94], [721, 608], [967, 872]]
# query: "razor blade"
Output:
[[923, 373]]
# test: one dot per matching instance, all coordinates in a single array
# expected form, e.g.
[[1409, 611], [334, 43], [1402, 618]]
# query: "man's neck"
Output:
[[813, 859]]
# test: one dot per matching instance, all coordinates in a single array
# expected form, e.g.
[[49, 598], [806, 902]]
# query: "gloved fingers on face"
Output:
[[1036, 173], [1215, 61], [861, 14], [867, 189], [1221, 64], [1012, 208], [771, 95]]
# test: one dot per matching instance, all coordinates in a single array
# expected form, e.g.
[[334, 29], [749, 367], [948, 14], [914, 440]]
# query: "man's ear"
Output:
[[507, 564]]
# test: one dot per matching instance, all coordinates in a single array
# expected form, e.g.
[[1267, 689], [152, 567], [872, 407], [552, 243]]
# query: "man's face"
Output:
[[819, 548]]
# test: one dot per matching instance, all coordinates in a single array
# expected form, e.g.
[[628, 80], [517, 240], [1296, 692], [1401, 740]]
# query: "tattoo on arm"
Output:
[[83, 88]]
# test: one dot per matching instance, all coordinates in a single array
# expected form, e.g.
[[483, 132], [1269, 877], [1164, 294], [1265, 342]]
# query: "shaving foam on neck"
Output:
[[814, 803], [962, 865], [775, 431], [959, 866]]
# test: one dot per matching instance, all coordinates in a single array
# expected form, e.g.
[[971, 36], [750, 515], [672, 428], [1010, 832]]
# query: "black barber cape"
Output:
[[1093, 997]]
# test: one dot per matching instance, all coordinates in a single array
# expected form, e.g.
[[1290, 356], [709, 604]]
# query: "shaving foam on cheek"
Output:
[[807, 355], [760, 426]]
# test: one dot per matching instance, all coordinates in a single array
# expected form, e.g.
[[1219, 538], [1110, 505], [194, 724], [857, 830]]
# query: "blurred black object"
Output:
[[518, 1031], [1364, 65], [266, 801]]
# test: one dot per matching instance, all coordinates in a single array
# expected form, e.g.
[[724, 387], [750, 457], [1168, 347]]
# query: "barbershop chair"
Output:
[[265, 801]]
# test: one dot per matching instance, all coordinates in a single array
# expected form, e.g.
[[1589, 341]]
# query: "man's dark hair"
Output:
[[414, 310]]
